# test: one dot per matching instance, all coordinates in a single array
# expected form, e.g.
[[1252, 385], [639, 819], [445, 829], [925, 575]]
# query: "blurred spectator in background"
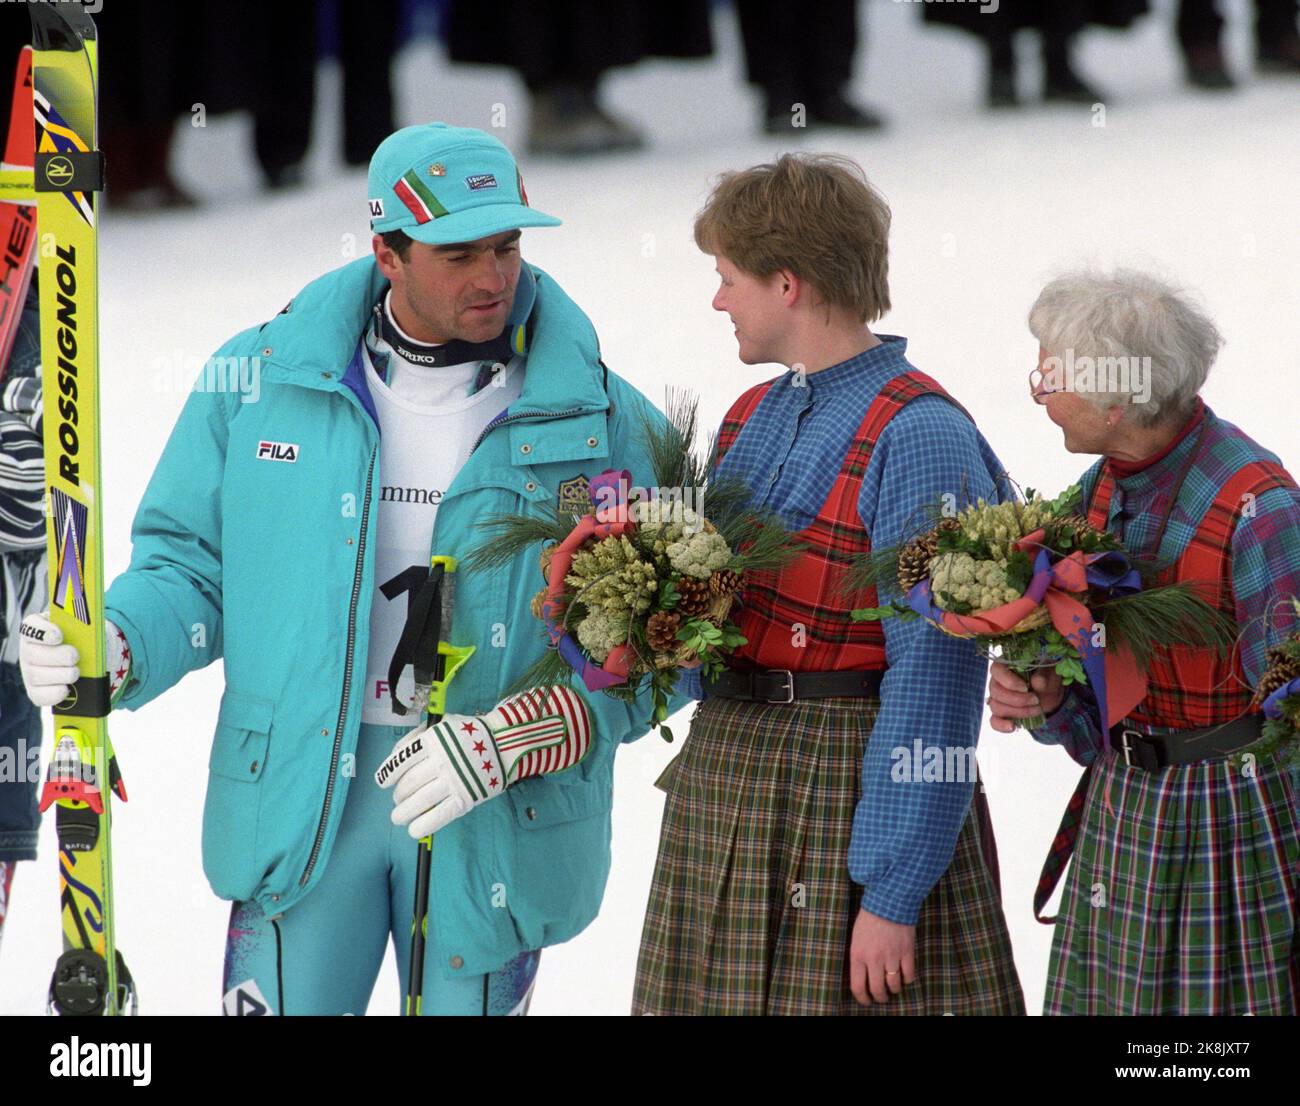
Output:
[[164, 62], [1057, 23], [561, 50], [22, 588], [151, 63], [1200, 30], [22, 536], [803, 55], [287, 49]]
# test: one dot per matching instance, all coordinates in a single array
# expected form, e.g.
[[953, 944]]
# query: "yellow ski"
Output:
[[90, 977]]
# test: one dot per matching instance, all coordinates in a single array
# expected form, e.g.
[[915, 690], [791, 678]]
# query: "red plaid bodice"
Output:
[[1188, 687], [798, 617]]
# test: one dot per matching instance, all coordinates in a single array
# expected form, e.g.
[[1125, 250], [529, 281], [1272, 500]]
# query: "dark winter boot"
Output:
[[1063, 85], [1206, 67], [1002, 77]]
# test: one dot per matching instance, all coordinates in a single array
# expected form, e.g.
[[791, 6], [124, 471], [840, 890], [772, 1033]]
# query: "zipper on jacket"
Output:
[[526, 415], [347, 677]]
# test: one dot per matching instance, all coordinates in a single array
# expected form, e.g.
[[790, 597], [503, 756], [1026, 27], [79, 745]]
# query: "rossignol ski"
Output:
[[90, 976]]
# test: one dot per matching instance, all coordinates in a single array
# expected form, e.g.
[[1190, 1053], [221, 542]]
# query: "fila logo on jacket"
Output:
[[277, 451]]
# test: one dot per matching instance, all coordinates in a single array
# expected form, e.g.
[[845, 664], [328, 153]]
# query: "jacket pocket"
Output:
[[243, 734], [231, 811], [545, 801], [561, 866]]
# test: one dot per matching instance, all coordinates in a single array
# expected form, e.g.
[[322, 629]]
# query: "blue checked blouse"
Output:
[[790, 451]]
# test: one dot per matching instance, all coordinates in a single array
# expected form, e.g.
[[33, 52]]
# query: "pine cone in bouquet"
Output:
[[724, 582], [914, 560], [661, 631], [1281, 669], [695, 596], [547, 551]]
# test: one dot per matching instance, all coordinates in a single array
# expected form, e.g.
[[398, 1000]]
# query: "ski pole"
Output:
[[435, 663]]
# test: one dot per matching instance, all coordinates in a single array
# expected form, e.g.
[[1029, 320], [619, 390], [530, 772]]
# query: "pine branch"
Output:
[[670, 446], [549, 669], [878, 569], [511, 535], [767, 544], [729, 505], [1156, 618]]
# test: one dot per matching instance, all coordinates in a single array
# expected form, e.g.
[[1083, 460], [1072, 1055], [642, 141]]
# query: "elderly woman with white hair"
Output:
[[1182, 896]]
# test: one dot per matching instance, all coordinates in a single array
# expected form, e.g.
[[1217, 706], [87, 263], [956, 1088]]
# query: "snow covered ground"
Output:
[[1201, 187]]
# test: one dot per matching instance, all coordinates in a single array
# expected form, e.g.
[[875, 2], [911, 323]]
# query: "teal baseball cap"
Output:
[[441, 184]]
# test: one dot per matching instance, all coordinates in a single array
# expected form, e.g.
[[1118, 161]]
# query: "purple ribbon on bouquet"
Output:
[[1273, 704], [1113, 677]]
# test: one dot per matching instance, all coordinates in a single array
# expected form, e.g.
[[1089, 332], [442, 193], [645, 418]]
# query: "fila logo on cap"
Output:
[[277, 451], [376, 209]]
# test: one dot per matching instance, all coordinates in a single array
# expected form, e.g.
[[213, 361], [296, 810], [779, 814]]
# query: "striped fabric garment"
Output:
[[547, 730], [540, 731], [23, 587]]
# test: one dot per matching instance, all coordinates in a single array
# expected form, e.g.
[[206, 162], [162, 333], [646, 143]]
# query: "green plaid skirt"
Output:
[[751, 907], [1182, 894]]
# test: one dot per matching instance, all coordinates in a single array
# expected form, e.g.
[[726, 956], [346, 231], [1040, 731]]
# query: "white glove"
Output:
[[49, 667], [443, 771]]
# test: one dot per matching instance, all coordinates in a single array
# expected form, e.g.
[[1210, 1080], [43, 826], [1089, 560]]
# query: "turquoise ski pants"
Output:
[[323, 955]]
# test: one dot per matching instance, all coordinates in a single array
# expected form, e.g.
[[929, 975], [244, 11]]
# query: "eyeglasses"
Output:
[[1039, 389]]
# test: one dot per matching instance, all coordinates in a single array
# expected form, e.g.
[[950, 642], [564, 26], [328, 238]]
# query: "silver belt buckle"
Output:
[[1126, 747], [789, 687]]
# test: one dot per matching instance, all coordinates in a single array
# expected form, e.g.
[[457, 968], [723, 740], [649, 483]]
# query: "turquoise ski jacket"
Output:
[[268, 565]]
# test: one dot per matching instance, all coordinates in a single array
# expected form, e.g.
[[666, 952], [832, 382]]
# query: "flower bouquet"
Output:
[[1278, 693], [1038, 586], [639, 585]]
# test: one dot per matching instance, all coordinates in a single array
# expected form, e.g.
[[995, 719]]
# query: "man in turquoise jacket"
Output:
[[258, 541]]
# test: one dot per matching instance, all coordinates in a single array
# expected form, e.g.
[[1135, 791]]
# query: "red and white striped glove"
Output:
[[443, 771]]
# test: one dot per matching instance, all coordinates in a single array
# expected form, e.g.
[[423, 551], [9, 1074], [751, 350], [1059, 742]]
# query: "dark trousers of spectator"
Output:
[[1200, 24], [795, 56], [20, 766], [286, 81]]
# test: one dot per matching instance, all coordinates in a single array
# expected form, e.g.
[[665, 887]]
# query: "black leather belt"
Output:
[[1156, 751], [780, 685]]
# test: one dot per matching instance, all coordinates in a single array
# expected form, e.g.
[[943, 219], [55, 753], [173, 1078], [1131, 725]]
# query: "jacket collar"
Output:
[[317, 335]]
